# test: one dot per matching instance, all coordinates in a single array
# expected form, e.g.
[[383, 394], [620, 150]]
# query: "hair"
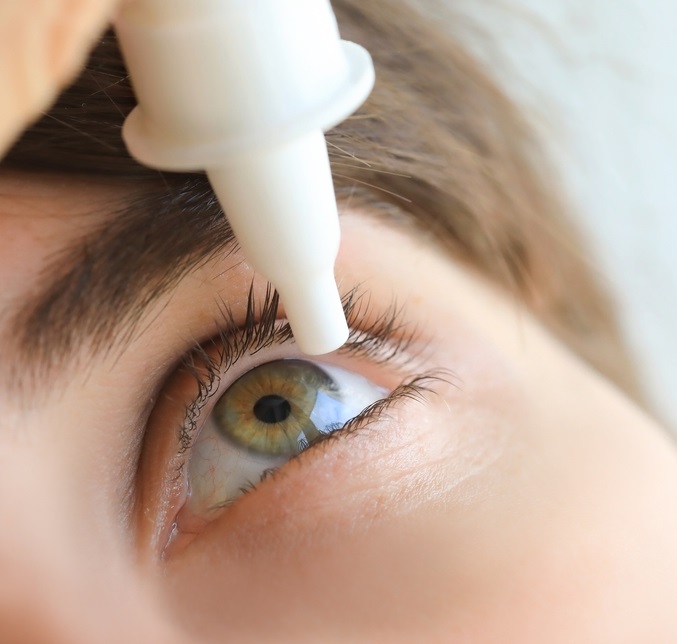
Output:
[[437, 145]]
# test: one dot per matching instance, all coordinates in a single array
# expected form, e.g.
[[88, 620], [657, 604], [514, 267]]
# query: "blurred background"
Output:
[[599, 80]]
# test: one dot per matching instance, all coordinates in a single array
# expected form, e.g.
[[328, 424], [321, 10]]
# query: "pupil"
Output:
[[272, 409]]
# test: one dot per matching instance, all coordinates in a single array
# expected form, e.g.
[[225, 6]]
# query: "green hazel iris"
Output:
[[268, 409]]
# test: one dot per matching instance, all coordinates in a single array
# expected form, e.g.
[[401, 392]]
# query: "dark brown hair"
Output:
[[437, 145]]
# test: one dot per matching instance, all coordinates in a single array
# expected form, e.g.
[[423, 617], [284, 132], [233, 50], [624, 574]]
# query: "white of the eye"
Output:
[[218, 470]]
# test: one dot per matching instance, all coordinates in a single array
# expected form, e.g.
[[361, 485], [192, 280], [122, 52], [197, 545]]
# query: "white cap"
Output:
[[244, 89]]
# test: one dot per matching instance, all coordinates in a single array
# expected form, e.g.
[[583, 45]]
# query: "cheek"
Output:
[[374, 528]]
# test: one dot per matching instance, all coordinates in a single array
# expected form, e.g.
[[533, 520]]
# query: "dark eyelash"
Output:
[[385, 340], [417, 389]]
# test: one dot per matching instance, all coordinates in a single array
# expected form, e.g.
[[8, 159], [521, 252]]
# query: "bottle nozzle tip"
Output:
[[315, 314]]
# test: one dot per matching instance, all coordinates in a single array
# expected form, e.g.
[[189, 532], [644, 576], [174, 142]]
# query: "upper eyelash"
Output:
[[385, 340]]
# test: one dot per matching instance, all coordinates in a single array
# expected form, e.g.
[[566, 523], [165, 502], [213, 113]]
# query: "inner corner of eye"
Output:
[[264, 418]]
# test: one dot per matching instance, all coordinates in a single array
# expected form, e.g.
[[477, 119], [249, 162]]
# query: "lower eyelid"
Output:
[[379, 417], [342, 485]]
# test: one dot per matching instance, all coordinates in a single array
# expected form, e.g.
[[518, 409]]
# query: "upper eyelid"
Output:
[[386, 340]]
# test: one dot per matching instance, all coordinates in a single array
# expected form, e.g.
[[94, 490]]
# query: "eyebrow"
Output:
[[98, 287]]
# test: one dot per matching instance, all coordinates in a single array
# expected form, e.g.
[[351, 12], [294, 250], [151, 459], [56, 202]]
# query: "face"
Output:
[[196, 478]]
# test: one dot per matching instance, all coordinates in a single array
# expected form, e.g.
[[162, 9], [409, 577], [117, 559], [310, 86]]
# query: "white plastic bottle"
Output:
[[244, 89]]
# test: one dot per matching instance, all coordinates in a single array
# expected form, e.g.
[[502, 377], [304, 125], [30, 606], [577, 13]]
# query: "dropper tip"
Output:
[[315, 313]]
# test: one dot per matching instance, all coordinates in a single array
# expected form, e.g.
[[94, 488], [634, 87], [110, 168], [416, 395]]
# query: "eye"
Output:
[[268, 415]]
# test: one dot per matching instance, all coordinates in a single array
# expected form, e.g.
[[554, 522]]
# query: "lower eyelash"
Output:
[[418, 389]]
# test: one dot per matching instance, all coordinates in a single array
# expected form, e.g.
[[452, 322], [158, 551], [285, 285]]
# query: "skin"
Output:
[[44, 44], [526, 496], [523, 499]]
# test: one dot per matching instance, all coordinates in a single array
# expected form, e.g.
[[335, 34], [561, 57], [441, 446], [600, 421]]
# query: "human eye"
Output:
[[243, 404], [270, 414]]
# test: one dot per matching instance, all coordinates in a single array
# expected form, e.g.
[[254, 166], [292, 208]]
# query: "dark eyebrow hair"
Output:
[[98, 287]]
